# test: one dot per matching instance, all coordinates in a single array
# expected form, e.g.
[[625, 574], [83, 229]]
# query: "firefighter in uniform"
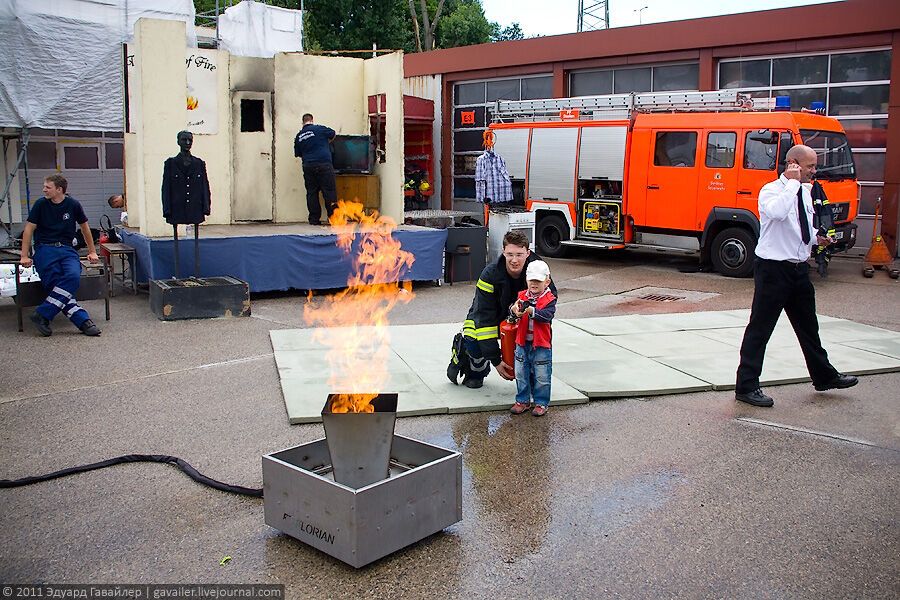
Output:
[[497, 288], [52, 222]]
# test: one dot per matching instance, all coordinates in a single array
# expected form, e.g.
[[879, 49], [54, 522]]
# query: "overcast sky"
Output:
[[552, 17]]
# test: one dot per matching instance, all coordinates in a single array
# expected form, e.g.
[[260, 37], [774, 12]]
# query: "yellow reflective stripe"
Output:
[[469, 323], [469, 334], [487, 333], [484, 286]]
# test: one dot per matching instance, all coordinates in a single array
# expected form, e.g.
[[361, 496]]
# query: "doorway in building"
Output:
[[252, 173]]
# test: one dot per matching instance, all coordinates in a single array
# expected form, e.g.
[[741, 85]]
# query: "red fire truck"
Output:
[[675, 172]]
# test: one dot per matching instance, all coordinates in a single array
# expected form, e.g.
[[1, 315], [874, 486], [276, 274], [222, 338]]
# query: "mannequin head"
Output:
[[185, 141]]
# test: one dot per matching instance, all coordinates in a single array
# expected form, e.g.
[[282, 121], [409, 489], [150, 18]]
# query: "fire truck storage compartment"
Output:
[[512, 146], [602, 154], [552, 164], [599, 218]]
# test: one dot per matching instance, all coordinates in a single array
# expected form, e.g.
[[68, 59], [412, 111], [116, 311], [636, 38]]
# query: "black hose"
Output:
[[132, 458]]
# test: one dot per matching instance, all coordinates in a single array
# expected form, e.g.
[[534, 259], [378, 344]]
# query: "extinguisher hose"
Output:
[[133, 458]]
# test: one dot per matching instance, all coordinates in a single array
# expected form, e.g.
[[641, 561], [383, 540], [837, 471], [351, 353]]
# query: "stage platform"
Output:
[[274, 257]]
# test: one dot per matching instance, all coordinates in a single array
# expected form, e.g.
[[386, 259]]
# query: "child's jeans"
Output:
[[534, 366]]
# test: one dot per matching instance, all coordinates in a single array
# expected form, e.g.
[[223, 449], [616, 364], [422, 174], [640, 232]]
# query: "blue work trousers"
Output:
[[60, 271], [534, 367]]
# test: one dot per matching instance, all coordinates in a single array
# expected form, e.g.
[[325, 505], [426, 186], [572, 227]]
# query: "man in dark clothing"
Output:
[[51, 222], [498, 286], [312, 146]]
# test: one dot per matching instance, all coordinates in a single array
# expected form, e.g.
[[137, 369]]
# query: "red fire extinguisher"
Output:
[[508, 340]]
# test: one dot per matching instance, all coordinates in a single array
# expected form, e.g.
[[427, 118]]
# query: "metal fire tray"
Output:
[[421, 496]]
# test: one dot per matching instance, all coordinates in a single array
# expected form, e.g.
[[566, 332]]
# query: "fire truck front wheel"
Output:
[[551, 232], [733, 251]]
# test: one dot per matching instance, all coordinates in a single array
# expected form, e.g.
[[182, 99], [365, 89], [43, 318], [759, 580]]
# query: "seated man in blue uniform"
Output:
[[51, 223]]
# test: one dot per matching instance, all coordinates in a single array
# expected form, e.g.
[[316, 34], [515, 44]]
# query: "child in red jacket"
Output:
[[534, 308]]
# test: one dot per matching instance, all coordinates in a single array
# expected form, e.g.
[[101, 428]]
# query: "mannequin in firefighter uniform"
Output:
[[185, 193], [478, 347]]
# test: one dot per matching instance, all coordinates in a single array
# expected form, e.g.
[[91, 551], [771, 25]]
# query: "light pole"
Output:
[[639, 11]]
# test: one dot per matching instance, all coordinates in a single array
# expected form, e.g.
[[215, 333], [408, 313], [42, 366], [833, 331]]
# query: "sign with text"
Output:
[[201, 95], [202, 87]]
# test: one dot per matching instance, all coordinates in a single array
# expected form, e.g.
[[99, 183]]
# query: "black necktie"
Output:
[[801, 212]]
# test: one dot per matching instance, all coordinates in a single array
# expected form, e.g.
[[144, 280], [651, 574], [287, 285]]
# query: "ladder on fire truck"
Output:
[[622, 106]]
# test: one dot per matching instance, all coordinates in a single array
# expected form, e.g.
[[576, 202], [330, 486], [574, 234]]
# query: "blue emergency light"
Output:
[[817, 106], [782, 103]]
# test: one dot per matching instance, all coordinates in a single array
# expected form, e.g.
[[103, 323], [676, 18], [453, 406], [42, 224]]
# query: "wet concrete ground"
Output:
[[693, 496]]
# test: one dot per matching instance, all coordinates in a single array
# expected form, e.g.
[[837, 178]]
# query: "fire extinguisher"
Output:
[[508, 340]]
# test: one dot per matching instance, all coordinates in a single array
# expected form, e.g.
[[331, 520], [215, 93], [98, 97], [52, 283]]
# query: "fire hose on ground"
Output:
[[133, 458]]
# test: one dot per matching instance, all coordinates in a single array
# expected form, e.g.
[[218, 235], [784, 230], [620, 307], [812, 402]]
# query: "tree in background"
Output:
[[513, 32], [410, 25]]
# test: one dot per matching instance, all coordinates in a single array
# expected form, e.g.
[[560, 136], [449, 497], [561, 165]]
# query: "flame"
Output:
[[353, 323], [192, 103]]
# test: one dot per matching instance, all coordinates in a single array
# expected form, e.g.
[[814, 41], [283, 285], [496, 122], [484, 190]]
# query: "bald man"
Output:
[[781, 279]]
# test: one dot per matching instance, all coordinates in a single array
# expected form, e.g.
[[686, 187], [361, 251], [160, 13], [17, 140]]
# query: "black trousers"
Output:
[[782, 285], [319, 177]]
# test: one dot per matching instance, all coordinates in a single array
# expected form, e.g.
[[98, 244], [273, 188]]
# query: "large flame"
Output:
[[353, 323]]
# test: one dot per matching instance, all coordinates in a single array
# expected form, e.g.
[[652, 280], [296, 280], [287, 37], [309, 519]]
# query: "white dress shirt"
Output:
[[779, 223]]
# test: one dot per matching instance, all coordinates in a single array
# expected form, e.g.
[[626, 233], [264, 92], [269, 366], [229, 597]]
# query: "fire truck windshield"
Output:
[[835, 157]]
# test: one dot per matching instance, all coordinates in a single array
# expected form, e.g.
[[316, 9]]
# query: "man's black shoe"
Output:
[[838, 383], [756, 398], [41, 324], [88, 328], [471, 382]]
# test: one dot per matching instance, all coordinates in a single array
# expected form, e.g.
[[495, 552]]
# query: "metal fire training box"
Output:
[[416, 488], [199, 298]]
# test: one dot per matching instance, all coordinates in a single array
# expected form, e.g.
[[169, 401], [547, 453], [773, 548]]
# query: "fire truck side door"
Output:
[[718, 173], [758, 162], [672, 180]]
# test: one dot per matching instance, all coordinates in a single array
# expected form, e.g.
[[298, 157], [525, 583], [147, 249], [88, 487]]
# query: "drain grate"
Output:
[[661, 298]]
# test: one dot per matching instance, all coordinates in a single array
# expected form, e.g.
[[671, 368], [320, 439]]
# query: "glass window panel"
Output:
[[800, 70], [758, 94], [464, 187], [759, 155], [114, 134], [631, 80], [40, 131], [503, 90], [802, 98], [868, 196], [464, 164], [744, 73], [470, 93], [534, 88], [42, 155], [720, 150], [82, 157], [676, 77], [861, 66], [869, 166], [114, 156], [866, 133], [468, 117], [591, 83], [467, 141], [859, 100], [675, 148]]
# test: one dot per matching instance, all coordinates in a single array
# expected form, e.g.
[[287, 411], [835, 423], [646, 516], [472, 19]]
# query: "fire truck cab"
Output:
[[673, 172]]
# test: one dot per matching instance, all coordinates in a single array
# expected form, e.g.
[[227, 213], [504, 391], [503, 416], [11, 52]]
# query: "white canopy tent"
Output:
[[61, 61]]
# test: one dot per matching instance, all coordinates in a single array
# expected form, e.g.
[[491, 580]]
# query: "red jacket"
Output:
[[544, 309]]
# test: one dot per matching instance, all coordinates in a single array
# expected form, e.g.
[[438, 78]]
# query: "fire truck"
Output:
[[673, 172]]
